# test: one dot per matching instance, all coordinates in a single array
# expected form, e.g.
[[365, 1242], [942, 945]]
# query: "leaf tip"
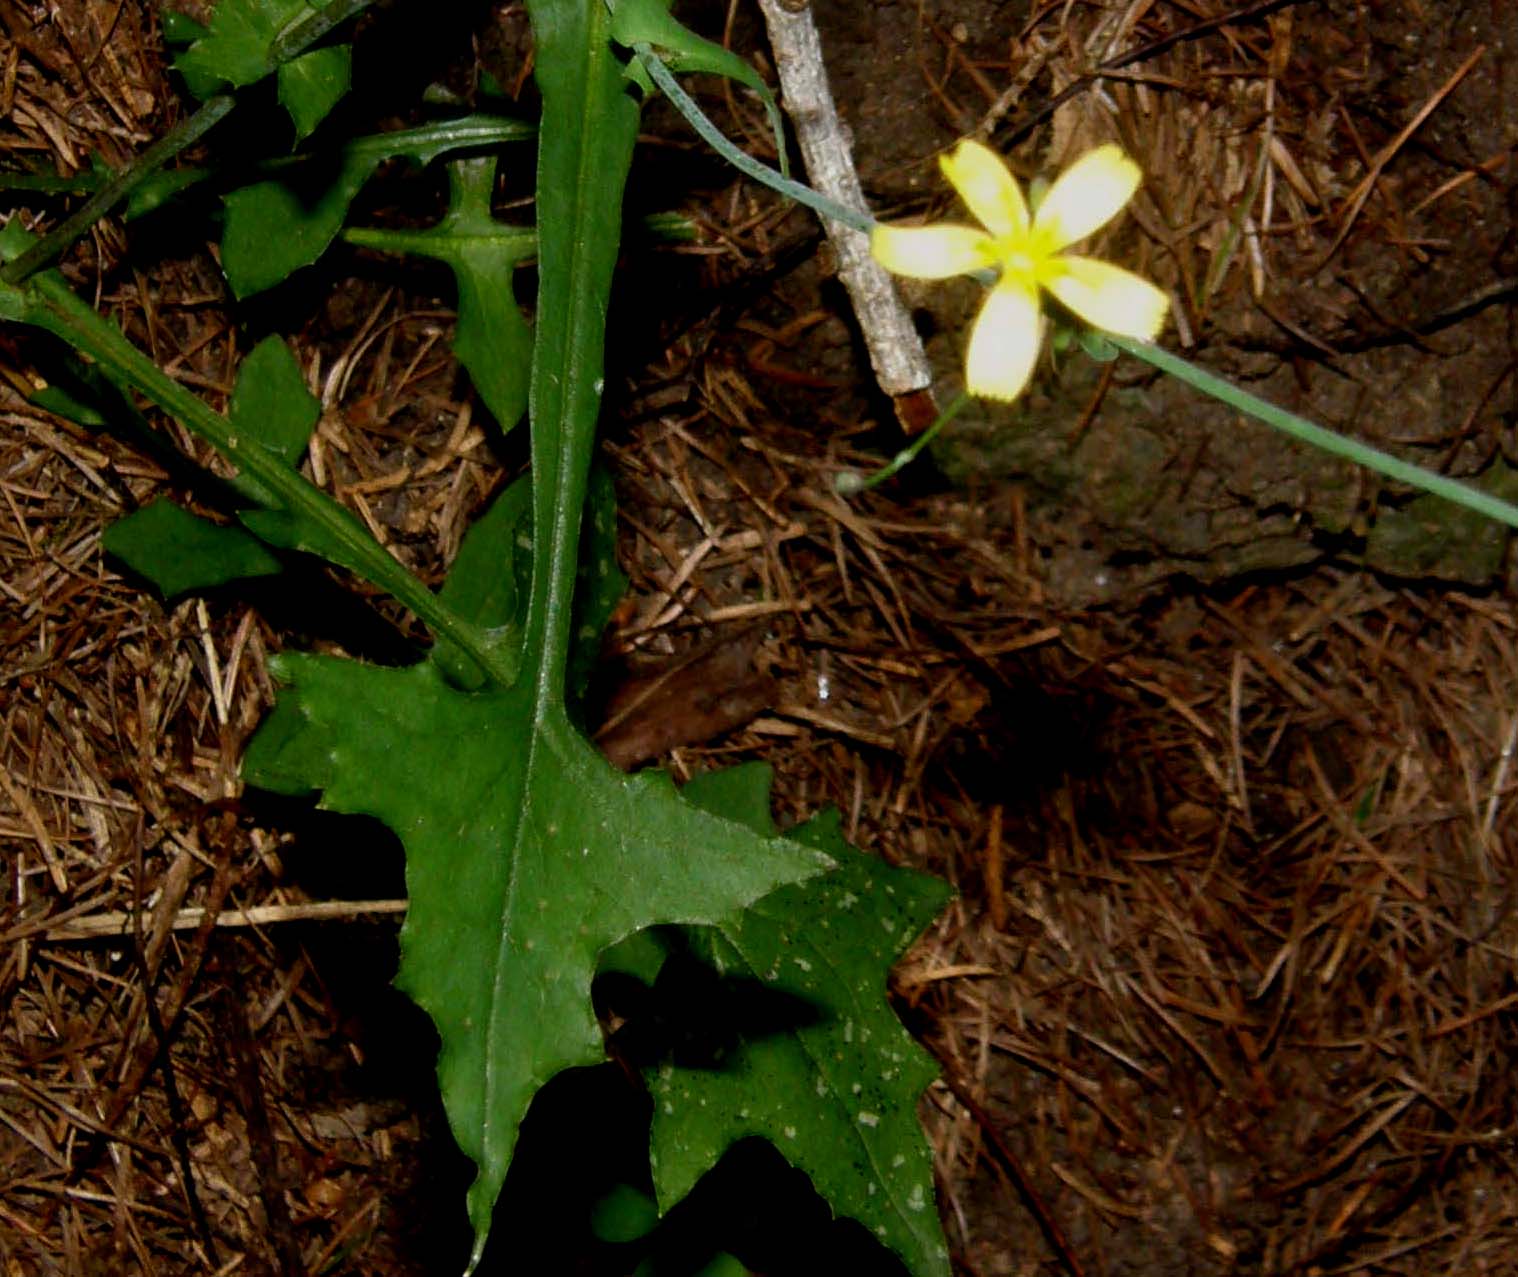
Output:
[[475, 1256]]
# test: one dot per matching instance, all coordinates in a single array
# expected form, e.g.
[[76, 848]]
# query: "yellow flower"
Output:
[[1026, 253]]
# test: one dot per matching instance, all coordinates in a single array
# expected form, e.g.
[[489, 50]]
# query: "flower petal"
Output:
[[1004, 343], [987, 187], [1087, 195], [929, 252], [1110, 297]]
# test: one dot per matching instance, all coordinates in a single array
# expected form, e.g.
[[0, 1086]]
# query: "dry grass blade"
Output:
[[1362, 192]]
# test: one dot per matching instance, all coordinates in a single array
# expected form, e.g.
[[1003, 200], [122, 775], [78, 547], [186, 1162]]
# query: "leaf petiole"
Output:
[[744, 163], [118, 187], [52, 305]]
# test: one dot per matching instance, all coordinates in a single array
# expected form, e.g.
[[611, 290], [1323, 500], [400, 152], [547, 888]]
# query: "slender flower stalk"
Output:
[[1023, 253]]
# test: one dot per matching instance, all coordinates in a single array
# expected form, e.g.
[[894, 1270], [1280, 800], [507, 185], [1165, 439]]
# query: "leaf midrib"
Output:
[[546, 647]]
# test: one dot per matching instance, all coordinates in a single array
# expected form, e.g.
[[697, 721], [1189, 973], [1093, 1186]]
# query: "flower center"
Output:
[[1027, 257]]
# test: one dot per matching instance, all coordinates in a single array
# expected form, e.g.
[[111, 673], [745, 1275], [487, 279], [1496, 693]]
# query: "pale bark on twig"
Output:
[[901, 365]]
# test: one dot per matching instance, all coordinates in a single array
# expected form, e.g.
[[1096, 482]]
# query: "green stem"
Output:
[[85, 182], [1308, 432], [519, 243], [586, 138], [850, 481], [713, 137], [310, 27], [58, 241], [426, 142], [53, 305], [672, 228]]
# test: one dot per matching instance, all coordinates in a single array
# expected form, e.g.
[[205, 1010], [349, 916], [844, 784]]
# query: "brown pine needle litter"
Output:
[[1229, 981]]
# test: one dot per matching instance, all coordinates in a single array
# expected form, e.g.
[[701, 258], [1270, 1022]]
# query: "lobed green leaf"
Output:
[[248, 39], [837, 1096], [272, 407], [312, 84], [488, 583], [492, 339], [179, 552], [274, 228], [527, 854], [239, 45]]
